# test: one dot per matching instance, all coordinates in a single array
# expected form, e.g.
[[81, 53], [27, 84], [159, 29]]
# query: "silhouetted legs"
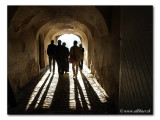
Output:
[[50, 63], [53, 65], [81, 64], [61, 67], [75, 68], [66, 66]]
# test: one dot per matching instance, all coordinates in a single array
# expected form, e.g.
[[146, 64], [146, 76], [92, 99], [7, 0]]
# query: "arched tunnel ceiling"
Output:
[[59, 27], [50, 20]]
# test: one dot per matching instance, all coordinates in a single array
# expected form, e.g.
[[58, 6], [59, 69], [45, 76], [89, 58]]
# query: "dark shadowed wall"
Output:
[[136, 64]]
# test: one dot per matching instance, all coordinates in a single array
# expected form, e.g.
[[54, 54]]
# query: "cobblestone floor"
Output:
[[50, 93]]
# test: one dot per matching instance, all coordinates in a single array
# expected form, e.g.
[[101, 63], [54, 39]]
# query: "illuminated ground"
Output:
[[51, 94]]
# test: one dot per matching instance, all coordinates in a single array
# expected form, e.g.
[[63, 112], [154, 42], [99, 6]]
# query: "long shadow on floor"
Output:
[[31, 108], [60, 103], [81, 104], [95, 103], [97, 107], [23, 95]]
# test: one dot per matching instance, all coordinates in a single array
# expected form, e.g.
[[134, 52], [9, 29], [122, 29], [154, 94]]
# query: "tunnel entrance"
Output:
[[69, 39], [91, 30]]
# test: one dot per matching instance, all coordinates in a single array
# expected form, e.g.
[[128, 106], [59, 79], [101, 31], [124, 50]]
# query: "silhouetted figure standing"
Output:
[[75, 52], [66, 54], [51, 51], [60, 57], [81, 62]]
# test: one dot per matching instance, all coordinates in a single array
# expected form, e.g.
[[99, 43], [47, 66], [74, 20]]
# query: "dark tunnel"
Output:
[[118, 60]]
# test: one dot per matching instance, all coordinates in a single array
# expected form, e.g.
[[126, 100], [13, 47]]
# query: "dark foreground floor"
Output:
[[50, 93]]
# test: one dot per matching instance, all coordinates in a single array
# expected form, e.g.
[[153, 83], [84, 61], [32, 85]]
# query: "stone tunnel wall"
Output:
[[136, 65], [22, 57], [106, 56]]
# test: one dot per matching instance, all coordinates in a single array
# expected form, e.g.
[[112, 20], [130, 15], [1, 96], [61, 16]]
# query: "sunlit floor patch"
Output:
[[43, 90], [36, 89], [102, 95], [46, 88], [51, 91], [80, 99], [83, 90], [72, 102], [93, 82]]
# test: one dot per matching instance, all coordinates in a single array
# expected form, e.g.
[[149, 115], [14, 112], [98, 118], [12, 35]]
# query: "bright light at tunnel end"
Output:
[[69, 39]]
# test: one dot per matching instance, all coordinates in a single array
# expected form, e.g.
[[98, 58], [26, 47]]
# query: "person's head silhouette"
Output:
[[75, 43], [59, 42], [64, 44], [52, 41], [80, 45]]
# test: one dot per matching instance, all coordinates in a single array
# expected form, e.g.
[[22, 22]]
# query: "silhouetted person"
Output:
[[75, 52], [66, 54], [60, 58], [81, 62], [51, 51]]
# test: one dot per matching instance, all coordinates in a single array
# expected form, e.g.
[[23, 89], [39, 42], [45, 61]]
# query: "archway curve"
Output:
[[57, 28], [37, 17], [58, 24], [80, 34], [25, 28]]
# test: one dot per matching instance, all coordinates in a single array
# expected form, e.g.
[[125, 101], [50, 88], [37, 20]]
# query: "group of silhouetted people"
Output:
[[61, 53]]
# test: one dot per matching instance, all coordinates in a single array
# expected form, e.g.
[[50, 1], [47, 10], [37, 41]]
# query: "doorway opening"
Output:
[[39, 53], [69, 39]]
